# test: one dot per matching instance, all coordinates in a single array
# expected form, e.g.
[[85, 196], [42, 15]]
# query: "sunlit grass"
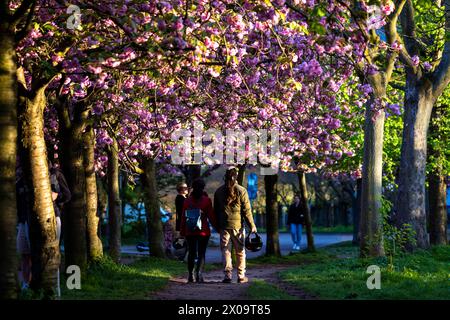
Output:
[[422, 275]]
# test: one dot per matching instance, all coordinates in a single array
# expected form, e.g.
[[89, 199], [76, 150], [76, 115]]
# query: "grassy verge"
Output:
[[335, 229], [317, 229], [108, 281], [261, 290], [421, 275]]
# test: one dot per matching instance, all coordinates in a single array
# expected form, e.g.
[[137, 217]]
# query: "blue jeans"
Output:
[[296, 233]]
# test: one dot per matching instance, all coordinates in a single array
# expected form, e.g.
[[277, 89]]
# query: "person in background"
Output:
[[232, 206], [168, 231], [60, 194], [295, 222], [183, 191], [24, 198], [197, 211]]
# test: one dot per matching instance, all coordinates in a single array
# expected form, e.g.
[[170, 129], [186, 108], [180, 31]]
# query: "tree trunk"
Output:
[[371, 226], [95, 248], [102, 203], [241, 175], [194, 172], [304, 200], [437, 195], [74, 215], [8, 145], [273, 243], [438, 209], [410, 205], [44, 243], [356, 210], [154, 223], [114, 203]]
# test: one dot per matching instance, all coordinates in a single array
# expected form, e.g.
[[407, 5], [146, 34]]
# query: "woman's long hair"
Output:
[[198, 187], [230, 182]]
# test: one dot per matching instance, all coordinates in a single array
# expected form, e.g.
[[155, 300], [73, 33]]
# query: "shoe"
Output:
[[294, 247], [191, 277], [243, 280], [199, 277], [226, 280]]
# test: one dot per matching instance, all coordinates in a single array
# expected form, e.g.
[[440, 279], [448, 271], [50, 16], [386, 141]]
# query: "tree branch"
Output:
[[441, 76], [392, 36], [20, 12], [20, 35]]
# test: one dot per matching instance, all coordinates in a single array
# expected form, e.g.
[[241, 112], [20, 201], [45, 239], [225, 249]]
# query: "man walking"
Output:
[[232, 206]]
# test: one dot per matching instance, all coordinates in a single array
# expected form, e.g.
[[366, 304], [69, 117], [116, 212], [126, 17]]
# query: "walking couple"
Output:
[[231, 208]]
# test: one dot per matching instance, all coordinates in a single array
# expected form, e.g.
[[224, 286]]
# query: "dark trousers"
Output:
[[197, 249]]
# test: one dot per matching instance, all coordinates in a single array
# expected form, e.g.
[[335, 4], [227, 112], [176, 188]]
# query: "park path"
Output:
[[213, 288]]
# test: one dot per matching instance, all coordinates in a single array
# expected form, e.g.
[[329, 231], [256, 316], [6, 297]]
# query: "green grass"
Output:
[[335, 229], [292, 259], [261, 290], [317, 229], [421, 275], [107, 280]]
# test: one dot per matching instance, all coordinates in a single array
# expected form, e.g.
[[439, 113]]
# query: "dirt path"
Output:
[[213, 288]]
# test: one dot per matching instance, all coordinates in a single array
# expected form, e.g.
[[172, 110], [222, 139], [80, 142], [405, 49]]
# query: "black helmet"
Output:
[[179, 243], [253, 244]]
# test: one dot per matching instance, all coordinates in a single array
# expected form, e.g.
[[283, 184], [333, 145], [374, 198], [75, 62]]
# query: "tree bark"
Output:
[[438, 209], [241, 175], [154, 223], [273, 243], [304, 200], [371, 227], [74, 215], [114, 203], [356, 210], [95, 248], [44, 243], [410, 205], [102, 204], [193, 172], [8, 149]]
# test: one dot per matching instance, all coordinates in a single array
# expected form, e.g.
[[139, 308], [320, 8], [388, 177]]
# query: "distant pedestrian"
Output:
[[24, 198], [60, 194], [183, 191], [295, 222], [168, 231]]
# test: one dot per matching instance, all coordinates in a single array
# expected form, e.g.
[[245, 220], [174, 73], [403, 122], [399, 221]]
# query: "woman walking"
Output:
[[295, 222], [197, 211]]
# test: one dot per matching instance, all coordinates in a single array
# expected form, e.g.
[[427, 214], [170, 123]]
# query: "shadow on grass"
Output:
[[261, 290], [107, 280]]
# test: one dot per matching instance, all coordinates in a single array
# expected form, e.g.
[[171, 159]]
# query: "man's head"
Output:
[[296, 199], [182, 188]]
